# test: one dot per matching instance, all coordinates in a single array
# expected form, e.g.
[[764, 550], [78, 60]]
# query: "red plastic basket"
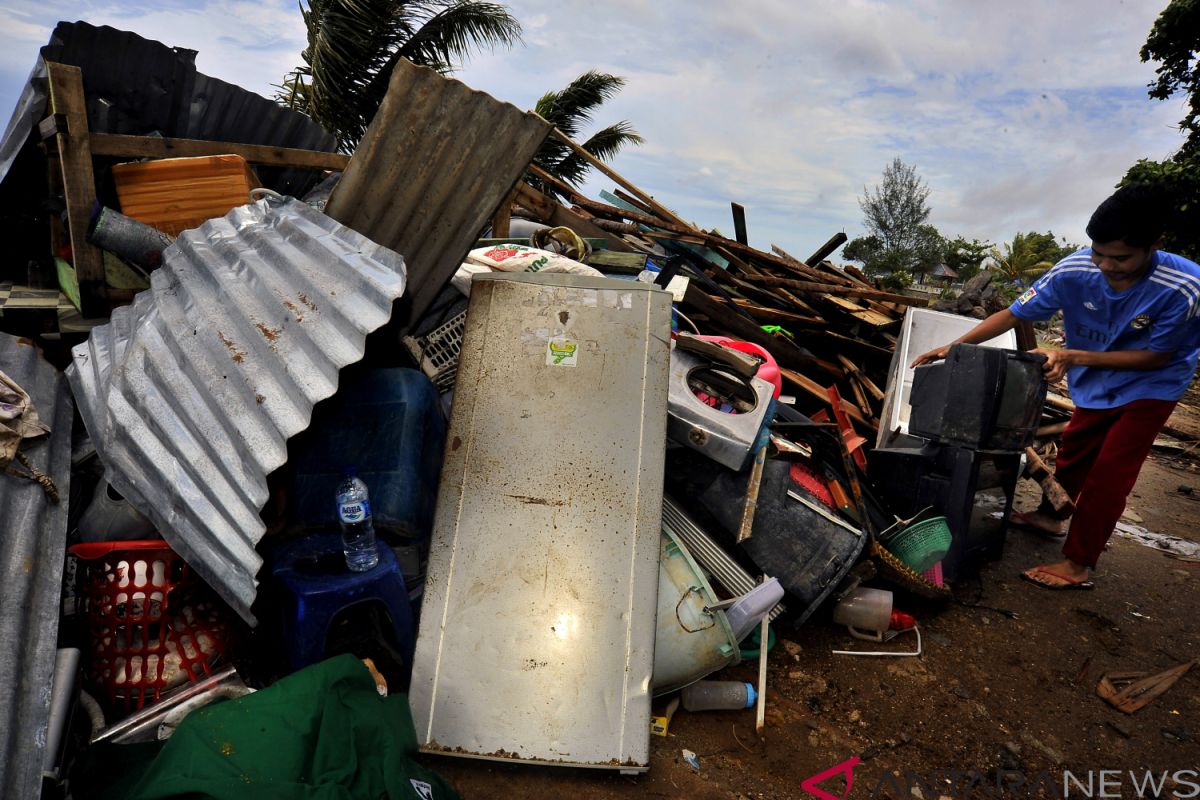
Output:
[[151, 626]]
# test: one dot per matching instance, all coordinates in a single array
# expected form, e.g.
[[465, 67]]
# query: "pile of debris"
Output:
[[643, 438]]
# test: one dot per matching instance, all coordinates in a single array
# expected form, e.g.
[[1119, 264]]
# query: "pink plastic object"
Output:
[[768, 370], [934, 574]]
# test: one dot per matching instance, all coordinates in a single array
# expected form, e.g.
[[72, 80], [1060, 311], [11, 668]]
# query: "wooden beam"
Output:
[[844, 291], [551, 212], [712, 240], [68, 105], [633, 201], [826, 250], [777, 315], [503, 216], [663, 211], [113, 144], [739, 223], [784, 350], [818, 391]]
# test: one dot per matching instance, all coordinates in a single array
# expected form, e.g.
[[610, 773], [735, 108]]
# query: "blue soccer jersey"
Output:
[[1160, 313]]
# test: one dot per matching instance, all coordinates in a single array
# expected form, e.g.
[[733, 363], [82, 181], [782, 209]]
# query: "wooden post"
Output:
[[67, 104], [503, 216], [739, 223]]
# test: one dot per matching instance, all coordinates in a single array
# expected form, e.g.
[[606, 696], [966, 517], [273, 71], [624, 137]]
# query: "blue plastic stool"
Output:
[[313, 571]]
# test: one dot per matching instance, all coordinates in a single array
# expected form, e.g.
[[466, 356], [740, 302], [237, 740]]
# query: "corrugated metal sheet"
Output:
[[191, 393], [139, 86], [435, 163], [31, 564]]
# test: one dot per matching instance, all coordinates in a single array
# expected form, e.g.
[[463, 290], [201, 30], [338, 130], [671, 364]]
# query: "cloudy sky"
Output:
[[1019, 115]]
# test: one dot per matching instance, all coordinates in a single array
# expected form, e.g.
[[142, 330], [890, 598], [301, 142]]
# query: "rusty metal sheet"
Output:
[[434, 165], [32, 549], [537, 629], [191, 393]]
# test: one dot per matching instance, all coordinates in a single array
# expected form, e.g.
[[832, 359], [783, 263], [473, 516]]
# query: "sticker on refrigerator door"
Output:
[[561, 352]]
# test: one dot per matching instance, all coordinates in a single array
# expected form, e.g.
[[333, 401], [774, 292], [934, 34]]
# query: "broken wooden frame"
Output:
[[71, 147]]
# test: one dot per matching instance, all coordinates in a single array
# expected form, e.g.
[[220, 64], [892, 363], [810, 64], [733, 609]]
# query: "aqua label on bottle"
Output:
[[355, 511]]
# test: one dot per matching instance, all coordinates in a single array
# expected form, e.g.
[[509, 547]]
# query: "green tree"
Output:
[[862, 249], [1174, 42], [897, 207], [570, 110], [1181, 176], [1029, 255], [966, 258], [353, 45], [929, 250]]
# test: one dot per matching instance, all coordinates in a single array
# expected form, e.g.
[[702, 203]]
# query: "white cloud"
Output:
[[1020, 115]]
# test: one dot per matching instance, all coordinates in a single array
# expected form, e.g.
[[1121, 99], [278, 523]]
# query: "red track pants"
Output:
[[1102, 452]]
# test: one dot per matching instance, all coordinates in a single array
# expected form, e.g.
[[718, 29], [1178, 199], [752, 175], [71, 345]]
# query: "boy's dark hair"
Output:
[[1135, 214]]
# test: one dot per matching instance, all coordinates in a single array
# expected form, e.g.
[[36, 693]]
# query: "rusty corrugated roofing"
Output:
[[435, 163], [32, 549], [191, 393]]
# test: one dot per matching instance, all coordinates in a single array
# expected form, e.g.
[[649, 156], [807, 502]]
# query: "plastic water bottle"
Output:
[[354, 513], [710, 695]]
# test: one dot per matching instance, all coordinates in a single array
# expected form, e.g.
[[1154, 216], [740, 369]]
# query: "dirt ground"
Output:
[[1001, 703]]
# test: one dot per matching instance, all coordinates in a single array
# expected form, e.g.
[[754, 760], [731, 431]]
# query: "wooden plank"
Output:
[[858, 374], [631, 263], [826, 250], [1026, 336], [503, 216], [777, 315], [844, 291], [661, 210], [535, 201], [52, 125], [551, 212], [633, 201], [1061, 403], [818, 391], [681, 229], [739, 223], [824, 269], [79, 184], [867, 315], [783, 349], [113, 144]]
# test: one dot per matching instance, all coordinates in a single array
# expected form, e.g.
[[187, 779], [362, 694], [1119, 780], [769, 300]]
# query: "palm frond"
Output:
[[354, 44], [603, 145], [571, 108], [449, 35]]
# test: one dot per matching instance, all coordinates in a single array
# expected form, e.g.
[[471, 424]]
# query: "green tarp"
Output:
[[323, 733]]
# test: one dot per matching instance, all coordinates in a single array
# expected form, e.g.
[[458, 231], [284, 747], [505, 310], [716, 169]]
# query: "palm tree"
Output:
[[1021, 259], [570, 110], [354, 44]]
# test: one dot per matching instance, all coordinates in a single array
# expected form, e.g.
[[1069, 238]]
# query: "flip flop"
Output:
[[1017, 520], [1080, 584]]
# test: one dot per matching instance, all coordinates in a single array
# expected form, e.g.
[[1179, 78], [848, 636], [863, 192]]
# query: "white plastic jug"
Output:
[[866, 613]]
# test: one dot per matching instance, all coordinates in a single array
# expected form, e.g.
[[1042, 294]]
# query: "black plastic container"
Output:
[[982, 398]]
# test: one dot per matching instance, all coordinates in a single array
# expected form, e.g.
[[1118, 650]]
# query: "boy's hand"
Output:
[[932, 355]]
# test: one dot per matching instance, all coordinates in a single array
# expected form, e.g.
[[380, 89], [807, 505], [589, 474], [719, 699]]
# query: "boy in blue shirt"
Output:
[[1131, 316]]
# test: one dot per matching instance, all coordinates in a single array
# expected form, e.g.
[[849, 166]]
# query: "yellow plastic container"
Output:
[[176, 194]]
